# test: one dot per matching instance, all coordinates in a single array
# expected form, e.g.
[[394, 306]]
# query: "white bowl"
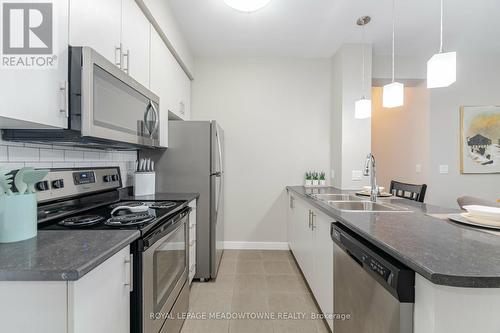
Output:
[[485, 212]]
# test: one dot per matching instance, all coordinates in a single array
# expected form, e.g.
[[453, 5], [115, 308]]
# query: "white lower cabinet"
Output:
[[99, 302], [310, 241], [192, 240]]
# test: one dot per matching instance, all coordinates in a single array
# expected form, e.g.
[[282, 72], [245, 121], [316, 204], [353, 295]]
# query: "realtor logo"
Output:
[[28, 34]]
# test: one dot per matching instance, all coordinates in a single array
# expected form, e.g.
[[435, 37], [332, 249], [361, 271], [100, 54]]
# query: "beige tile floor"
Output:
[[254, 282]]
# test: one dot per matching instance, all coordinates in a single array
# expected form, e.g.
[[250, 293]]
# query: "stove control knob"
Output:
[[114, 178], [107, 178], [42, 186], [59, 183]]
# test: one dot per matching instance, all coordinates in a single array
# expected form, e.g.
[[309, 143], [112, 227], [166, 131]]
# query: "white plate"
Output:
[[369, 189], [483, 212], [466, 219]]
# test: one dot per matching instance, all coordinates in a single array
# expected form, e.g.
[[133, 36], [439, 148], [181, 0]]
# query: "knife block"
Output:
[[144, 183], [18, 217]]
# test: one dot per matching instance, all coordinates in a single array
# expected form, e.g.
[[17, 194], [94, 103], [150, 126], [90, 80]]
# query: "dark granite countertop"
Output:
[[61, 255], [444, 252]]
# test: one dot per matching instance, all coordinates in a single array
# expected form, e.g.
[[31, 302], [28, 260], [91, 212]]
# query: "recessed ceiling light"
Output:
[[247, 6]]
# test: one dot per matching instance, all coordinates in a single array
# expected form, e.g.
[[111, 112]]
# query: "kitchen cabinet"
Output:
[[116, 29], [181, 93], [162, 63], [97, 24], [37, 98], [192, 240], [98, 302], [135, 41], [310, 241]]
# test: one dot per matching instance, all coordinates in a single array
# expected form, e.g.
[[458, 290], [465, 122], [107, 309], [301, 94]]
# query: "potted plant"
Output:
[[315, 179], [308, 181], [322, 178]]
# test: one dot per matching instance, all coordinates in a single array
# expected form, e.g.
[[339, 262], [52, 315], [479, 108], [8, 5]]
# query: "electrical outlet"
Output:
[[418, 168], [443, 168], [357, 175]]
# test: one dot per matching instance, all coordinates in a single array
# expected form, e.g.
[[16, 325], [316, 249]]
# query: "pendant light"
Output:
[[363, 106], [393, 93], [442, 66], [247, 6]]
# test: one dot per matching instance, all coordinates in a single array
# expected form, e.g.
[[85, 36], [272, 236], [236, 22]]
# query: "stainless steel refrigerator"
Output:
[[194, 162]]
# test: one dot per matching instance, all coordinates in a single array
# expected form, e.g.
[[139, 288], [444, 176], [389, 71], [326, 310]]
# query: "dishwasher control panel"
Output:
[[376, 266]]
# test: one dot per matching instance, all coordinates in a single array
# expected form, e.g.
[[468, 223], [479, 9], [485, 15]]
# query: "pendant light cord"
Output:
[[441, 33], [393, 28], [363, 53]]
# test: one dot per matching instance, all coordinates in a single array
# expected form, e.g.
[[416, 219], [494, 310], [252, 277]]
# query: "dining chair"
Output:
[[408, 191]]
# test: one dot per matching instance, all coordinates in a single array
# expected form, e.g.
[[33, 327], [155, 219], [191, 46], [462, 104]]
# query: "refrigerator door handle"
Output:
[[220, 150], [216, 174]]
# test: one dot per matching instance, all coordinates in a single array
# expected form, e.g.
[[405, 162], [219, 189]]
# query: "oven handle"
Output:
[[164, 231]]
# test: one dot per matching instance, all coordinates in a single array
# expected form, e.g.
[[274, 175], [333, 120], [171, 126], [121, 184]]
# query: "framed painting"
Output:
[[480, 139]]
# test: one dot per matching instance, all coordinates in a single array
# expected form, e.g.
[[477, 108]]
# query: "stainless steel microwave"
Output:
[[107, 108]]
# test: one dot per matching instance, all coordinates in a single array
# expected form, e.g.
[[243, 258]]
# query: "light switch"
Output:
[[418, 168], [357, 175], [443, 168]]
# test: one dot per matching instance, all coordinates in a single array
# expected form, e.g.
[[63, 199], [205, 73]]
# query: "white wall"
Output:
[[349, 154], [478, 83], [400, 137], [275, 114]]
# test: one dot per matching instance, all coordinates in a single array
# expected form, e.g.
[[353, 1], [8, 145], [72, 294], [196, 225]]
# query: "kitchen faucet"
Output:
[[370, 162]]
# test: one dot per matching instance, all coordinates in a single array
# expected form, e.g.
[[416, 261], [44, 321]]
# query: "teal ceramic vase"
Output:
[[18, 217]]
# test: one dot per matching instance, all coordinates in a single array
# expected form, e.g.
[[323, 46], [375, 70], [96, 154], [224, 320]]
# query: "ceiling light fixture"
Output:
[[441, 67], [393, 94], [363, 106], [247, 6]]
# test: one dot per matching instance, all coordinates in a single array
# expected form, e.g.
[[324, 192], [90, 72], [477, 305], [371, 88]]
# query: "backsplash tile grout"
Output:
[[14, 155]]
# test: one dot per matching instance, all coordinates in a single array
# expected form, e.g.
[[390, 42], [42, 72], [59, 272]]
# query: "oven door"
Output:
[[165, 271], [114, 106]]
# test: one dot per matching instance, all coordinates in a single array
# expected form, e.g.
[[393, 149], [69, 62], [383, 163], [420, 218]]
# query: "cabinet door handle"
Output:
[[129, 271], [292, 202], [63, 89], [118, 56], [310, 219], [313, 216], [126, 63], [183, 108]]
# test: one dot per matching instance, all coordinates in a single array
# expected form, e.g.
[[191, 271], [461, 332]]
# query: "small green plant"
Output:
[[315, 176], [322, 175], [308, 175]]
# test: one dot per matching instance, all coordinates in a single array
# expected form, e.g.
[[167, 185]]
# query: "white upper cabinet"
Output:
[[97, 24], [162, 63], [135, 41], [37, 98], [181, 94]]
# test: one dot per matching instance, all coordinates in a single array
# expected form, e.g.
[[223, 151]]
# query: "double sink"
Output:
[[353, 203]]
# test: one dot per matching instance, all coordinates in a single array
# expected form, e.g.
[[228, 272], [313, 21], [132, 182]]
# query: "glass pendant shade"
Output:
[[363, 108], [393, 95], [247, 6], [442, 70]]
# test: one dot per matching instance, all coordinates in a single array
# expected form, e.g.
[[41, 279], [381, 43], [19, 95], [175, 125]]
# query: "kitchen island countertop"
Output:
[[443, 252]]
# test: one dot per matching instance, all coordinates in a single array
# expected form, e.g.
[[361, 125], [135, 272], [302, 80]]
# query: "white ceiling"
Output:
[[316, 28]]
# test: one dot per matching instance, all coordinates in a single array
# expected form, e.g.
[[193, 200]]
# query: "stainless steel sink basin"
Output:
[[330, 197], [366, 206]]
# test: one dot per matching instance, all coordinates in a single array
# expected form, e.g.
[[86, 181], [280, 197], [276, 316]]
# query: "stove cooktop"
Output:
[[141, 215]]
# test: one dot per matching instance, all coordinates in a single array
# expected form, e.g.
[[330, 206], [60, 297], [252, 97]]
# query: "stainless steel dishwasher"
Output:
[[375, 289]]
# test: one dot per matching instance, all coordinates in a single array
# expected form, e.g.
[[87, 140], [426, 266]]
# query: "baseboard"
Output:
[[256, 245]]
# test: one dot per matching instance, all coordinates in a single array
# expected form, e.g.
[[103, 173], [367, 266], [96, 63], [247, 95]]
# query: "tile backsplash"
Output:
[[15, 155]]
